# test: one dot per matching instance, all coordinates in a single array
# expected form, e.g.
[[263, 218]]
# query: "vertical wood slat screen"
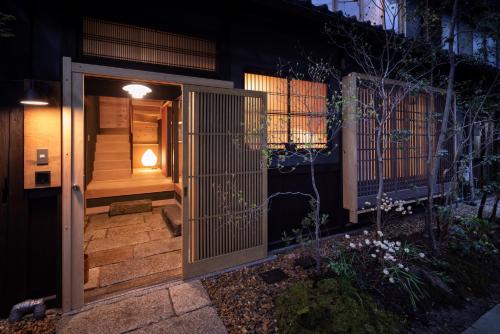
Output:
[[125, 42], [405, 169], [225, 175], [296, 110]]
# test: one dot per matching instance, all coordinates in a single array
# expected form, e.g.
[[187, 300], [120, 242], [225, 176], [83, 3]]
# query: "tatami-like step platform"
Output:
[[172, 215], [142, 181]]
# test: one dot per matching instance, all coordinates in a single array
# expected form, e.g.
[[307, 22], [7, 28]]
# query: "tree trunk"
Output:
[[444, 127], [480, 210], [317, 218], [472, 195], [380, 175], [493, 216]]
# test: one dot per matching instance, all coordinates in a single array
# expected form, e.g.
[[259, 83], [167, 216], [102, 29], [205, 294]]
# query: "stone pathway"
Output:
[[179, 309], [489, 323], [128, 251]]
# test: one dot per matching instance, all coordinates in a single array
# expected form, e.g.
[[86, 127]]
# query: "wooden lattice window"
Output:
[[296, 110], [125, 42], [404, 161]]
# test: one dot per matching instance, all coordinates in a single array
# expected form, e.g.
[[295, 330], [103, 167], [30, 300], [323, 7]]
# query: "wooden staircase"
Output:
[[112, 157]]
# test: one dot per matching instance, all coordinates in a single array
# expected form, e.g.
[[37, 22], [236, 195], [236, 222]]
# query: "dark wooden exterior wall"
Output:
[[251, 36]]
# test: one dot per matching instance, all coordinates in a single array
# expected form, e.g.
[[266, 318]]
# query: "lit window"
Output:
[[296, 110]]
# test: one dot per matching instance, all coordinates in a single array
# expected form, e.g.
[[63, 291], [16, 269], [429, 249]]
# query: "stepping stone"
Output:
[[172, 214], [273, 276], [123, 208], [187, 297]]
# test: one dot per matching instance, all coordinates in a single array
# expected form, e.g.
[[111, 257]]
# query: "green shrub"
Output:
[[471, 236], [331, 306]]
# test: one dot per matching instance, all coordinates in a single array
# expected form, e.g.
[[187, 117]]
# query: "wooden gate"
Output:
[[224, 178]]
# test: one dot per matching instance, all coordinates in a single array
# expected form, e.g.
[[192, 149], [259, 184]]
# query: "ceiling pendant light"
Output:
[[137, 91]]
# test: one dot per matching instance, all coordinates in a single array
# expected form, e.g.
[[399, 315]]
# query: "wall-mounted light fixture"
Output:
[[137, 91], [34, 97]]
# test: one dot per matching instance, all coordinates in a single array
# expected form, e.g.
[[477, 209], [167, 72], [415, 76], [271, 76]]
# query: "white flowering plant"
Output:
[[390, 208], [393, 260]]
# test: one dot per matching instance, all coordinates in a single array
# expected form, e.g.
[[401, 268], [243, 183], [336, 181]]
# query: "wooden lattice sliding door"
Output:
[[224, 178]]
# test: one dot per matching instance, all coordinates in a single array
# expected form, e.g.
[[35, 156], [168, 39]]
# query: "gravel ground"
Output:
[[28, 325], [245, 302]]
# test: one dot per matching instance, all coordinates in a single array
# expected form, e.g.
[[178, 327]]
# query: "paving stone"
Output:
[[202, 321], [160, 234], [127, 230], [117, 241], [489, 323], [128, 207], [135, 268], [94, 234], [123, 316], [157, 247], [93, 279], [189, 296], [149, 280], [103, 221], [155, 221], [110, 256]]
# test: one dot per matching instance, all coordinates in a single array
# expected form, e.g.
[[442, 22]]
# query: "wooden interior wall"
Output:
[[91, 131], [114, 113], [146, 114]]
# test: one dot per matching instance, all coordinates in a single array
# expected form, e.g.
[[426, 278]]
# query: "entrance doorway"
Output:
[[218, 174], [133, 216]]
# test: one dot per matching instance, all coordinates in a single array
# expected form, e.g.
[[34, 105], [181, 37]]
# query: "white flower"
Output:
[[365, 232], [391, 250], [391, 279], [408, 208], [380, 234], [385, 271], [377, 251], [398, 243], [368, 203], [422, 255], [393, 259], [400, 266], [352, 245], [367, 241], [407, 250], [373, 255], [407, 269], [347, 236], [360, 244]]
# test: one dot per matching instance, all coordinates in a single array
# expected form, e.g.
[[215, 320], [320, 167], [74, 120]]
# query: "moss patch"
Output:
[[332, 306]]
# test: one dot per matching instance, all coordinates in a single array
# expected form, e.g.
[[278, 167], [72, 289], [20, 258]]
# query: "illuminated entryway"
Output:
[[221, 135]]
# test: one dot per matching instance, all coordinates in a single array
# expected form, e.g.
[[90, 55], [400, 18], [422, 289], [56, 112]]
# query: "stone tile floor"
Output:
[[181, 309], [128, 251]]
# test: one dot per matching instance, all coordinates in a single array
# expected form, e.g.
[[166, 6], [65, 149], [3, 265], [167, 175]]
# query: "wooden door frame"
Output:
[[73, 210]]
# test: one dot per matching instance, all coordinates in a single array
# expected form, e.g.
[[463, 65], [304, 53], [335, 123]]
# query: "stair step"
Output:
[[111, 164], [127, 207], [111, 174], [106, 156], [172, 215], [113, 138], [112, 147]]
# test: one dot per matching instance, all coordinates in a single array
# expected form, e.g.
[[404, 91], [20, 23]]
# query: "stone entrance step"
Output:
[[127, 207], [172, 215]]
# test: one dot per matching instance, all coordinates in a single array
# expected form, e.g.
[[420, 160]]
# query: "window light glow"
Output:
[[137, 91], [149, 159]]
